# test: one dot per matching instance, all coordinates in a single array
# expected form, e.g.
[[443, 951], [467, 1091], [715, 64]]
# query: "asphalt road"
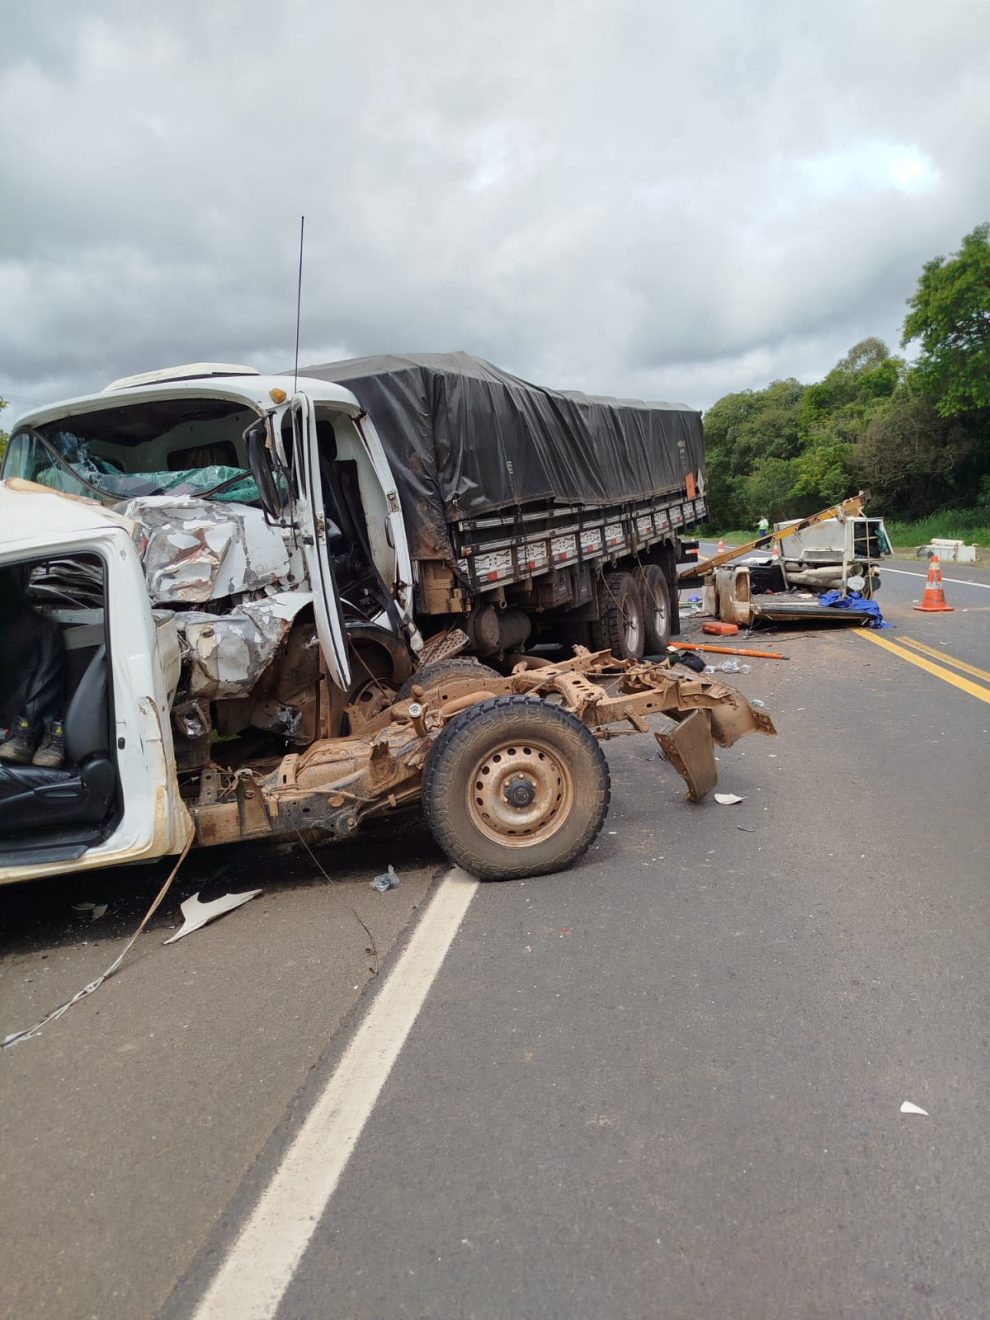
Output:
[[664, 1083]]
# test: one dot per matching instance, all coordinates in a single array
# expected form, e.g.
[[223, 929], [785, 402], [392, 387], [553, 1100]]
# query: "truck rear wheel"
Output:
[[515, 787], [620, 627], [659, 620]]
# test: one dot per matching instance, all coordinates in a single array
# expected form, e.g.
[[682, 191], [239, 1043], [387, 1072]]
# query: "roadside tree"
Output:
[[950, 316]]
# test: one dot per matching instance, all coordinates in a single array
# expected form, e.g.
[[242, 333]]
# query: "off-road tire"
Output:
[[433, 677], [568, 768], [656, 598], [620, 602]]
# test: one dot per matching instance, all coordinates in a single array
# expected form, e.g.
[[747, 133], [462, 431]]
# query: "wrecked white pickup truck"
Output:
[[226, 564]]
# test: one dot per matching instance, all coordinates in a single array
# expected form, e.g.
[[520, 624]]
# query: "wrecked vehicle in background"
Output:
[[230, 571]]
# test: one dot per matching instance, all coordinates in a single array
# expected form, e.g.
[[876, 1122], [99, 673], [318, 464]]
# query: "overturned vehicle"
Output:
[[208, 617]]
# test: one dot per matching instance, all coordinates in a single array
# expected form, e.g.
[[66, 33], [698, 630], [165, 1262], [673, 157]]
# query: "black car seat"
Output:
[[32, 796]]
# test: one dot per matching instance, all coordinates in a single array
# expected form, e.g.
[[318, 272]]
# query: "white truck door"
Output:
[[326, 603]]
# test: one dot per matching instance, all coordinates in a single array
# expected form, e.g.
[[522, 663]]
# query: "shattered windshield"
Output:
[[175, 447]]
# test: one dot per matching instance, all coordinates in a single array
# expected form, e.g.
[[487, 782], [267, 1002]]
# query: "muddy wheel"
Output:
[[433, 678], [621, 625], [656, 597], [514, 787]]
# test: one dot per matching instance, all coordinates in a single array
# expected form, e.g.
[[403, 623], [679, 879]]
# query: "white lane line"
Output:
[[253, 1278], [906, 572]]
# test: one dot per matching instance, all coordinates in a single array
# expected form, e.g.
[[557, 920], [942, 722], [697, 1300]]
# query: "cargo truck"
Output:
[[265, 590]]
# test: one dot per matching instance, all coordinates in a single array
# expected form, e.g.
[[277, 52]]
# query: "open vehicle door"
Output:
[[312, 517]]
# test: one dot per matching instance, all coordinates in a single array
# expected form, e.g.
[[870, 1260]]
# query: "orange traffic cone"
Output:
[[933, 597], [776, 549], [721, 547]]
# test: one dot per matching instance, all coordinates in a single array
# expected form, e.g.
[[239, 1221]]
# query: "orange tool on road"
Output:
[[728, 650]]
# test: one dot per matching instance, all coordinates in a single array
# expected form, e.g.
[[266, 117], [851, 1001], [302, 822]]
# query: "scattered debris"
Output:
[[388, 880], [728, 799], [908, 1108], [95, 910], [197, 914]]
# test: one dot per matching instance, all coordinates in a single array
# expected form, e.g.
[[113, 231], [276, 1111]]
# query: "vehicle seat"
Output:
[[32, 796]]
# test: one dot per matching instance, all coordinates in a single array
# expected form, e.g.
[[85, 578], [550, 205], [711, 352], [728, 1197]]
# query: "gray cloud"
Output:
[[627, 197]]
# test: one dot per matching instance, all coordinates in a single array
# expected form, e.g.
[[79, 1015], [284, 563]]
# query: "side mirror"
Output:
[[263, 468]]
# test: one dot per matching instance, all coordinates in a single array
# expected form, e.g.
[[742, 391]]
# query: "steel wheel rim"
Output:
[[374, 696], [632, 625], [659, 613], [517, 769]]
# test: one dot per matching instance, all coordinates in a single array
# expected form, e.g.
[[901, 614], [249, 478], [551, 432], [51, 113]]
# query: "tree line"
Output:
[[916, 435]]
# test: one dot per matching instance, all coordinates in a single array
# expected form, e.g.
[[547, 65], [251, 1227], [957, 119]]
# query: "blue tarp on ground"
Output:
[[854, 601]]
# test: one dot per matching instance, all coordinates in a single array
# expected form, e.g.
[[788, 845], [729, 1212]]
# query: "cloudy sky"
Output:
[[667, 200]]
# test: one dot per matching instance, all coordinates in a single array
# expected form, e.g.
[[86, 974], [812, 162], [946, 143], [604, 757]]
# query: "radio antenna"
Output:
[[295, 369]]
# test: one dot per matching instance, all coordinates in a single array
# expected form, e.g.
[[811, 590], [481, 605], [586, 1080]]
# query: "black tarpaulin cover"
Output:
[[465, 439]]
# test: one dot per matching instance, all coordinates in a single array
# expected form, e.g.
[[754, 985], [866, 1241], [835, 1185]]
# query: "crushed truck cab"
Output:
[[226, 562]]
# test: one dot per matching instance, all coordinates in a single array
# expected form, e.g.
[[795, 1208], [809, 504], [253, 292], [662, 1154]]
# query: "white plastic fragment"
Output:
[[95, 910], [197, 914], [908, 1108], [727, 799]]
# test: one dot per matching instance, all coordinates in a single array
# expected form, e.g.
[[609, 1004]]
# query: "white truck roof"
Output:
[[250, 388]]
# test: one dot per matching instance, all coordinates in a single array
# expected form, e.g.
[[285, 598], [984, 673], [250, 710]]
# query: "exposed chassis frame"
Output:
[[336, 783]]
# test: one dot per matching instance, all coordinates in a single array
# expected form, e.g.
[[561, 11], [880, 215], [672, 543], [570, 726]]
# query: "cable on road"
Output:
[[373, 949], [16, 1036]]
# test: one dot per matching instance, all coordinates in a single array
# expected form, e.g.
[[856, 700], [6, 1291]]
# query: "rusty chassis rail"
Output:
[[336, 783]]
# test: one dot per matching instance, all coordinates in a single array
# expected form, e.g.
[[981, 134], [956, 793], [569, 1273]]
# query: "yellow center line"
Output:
[[964, 685], [949, 659]]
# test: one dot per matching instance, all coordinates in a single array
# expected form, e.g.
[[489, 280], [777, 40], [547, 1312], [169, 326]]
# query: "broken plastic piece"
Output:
[[197, 914], [383, 883], [734, 667], [95, 910], [727, 799], [908, 1108]]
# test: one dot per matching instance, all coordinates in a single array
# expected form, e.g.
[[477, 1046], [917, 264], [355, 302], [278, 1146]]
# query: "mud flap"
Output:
[[690, 750], [734, 718]]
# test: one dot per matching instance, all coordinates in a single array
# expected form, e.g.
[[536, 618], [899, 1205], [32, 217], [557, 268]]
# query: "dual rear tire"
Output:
[[634, 615]]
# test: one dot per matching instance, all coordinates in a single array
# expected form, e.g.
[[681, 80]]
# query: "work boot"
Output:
[[51, 753], [21, 741]]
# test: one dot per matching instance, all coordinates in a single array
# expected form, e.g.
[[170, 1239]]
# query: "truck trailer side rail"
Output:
[[495, 552]]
